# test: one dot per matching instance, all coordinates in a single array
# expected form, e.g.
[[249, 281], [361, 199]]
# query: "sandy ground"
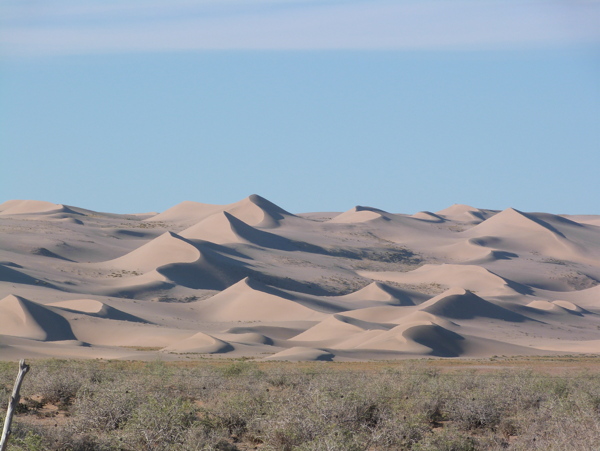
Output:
[[251, 279]]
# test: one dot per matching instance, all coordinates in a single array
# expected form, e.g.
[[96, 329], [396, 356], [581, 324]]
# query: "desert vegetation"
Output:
[[243, 405]]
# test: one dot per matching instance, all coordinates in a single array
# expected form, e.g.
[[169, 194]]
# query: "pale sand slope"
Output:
[[251, 279]]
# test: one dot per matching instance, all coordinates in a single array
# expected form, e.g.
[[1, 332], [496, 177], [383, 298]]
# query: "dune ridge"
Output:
[[360, 214], [225, 228], [249, 300], [31, 207], [250, 279], [253, 210], [21, 317]]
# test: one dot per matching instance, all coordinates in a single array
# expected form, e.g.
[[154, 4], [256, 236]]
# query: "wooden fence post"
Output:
[[14, 400]]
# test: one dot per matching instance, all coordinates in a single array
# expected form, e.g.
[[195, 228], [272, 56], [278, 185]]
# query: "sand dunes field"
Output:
[[252, 279]]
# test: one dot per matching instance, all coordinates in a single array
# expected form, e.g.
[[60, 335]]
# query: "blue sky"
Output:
[[135, 106]]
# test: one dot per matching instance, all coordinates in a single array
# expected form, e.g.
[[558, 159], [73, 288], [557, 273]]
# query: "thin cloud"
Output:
[[73, 28]]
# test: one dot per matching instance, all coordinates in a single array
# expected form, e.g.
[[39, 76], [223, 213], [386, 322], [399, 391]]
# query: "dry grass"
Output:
[[517, 403]]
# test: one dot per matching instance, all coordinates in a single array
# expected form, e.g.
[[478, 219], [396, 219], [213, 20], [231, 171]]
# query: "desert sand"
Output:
[[252, 279]]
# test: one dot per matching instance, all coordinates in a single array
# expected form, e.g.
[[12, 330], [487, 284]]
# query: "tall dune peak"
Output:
[[12, 300], [375, 291], [511, 217], [266, 205], [257, 211]]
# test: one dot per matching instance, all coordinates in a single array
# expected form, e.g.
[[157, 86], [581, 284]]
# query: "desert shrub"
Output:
[[447, 439], [4, 397], [479, 411], [240, 368], [562, 422], [158, 423], [104, 407], [244, 405], [400, 430], [234, 409], [335, 441], [26, 441], [199, 438], [28, 437], [282, 380], [57, 382]]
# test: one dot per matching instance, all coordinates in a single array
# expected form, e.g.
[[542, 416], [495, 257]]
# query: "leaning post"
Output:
[[12, 405]]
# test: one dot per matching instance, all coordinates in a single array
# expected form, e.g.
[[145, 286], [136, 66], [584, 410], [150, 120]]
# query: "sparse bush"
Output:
[[239, 368], [245, 405], [104, 408], [30, 441], [447, 439], [158, 423], [57, 382]]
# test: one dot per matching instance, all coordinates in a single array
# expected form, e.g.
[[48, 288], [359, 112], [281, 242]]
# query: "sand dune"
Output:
[[220, 228], [589, 298], [339, 326], [418, 333], [586, 219], [381, 314], [275, 333], [167, 248], [13, 275], [133, 286], [95, 308], [360, 214], [428, 216], [224, 228], [254, 210], [465, 213], [547, 307], [200, 343], [514, 230], [458, 303], [300, 353], [469, 277], [424, 339], [70, 220], [212, 271], [23, 318], [570, 306], [252, 279], [47, 253], [186, 212], [380, 292], [258, 212], [175, 259], [249, 300], [476, 251], [343, 332], [31, 207]]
